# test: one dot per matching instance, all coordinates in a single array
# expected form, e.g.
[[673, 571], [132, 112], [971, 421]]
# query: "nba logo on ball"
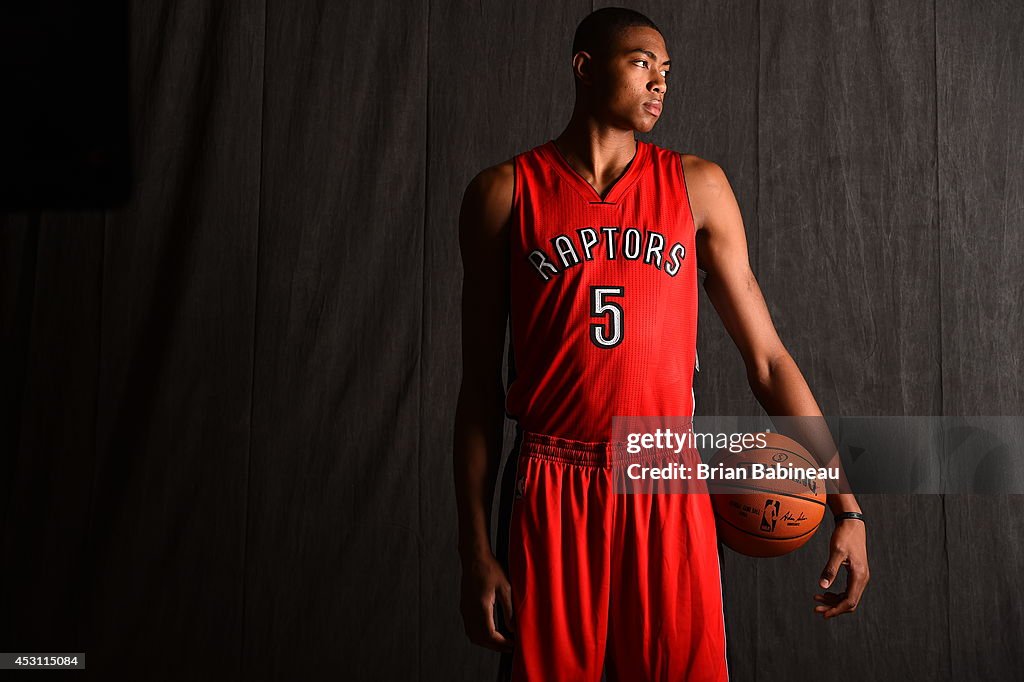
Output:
[[769, 515]]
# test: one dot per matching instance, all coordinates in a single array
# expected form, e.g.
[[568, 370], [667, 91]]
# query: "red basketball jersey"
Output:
[[603, 302]]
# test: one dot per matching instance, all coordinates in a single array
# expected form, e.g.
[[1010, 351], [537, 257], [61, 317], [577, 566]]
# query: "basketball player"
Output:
[[589, 246]]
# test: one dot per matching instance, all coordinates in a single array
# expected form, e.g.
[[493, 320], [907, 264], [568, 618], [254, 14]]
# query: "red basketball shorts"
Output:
[[625, 584]]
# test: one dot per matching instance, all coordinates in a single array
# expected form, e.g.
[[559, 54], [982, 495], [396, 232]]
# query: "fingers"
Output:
[[832, 604], [481, 630], [856, 581], [835, 604], [828, 575], [848, 549], [827, 601], [505, 593], [484, 586], [495, 640]]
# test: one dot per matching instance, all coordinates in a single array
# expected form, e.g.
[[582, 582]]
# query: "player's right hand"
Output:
[[484, 584]]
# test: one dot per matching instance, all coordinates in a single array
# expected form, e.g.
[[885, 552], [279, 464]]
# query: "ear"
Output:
[[582, 67]]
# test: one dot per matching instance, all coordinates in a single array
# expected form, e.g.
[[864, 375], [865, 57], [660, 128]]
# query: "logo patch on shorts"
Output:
[[520, 487]]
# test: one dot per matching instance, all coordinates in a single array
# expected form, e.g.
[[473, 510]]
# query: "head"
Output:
[[620, 65]]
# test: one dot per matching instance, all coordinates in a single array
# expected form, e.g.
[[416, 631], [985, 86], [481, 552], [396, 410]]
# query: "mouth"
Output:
[[653, 106]]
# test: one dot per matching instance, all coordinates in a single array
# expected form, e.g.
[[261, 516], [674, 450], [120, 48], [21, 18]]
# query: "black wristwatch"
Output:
[[842, 516]]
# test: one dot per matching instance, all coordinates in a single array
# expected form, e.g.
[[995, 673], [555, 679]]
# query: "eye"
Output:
[[665, 74], [644, 61]]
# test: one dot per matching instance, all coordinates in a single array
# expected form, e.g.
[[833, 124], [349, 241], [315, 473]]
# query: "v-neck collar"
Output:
[[586, 190]]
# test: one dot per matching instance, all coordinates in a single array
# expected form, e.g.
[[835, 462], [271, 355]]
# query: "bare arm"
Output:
[[480, 414], [774, 377]]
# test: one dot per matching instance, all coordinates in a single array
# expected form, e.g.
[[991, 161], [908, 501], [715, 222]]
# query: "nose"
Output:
[[659, 85]]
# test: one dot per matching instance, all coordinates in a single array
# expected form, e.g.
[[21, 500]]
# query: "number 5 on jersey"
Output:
[[606, 334]]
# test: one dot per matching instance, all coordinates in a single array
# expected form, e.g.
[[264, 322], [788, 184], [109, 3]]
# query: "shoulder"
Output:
[[699, 173], [492, 187], [705, 181], [494, 180], [487, 202]]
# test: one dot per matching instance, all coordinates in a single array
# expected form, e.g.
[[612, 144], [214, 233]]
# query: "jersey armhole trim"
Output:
[[689, 206], [515, 184], [513, 219], [686, 191]]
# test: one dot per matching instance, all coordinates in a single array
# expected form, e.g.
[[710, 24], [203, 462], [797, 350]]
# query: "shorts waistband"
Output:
[[594, 453]]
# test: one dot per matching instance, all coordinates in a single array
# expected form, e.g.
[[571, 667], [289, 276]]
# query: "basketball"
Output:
[[763, 516]]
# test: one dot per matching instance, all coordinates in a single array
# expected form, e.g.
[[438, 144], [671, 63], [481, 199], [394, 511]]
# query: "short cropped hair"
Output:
[[597, 30]]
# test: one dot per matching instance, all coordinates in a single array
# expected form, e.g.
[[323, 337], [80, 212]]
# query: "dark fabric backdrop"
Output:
[[227, 405]]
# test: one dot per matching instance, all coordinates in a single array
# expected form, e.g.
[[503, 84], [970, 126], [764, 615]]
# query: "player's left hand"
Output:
[[848, 548]]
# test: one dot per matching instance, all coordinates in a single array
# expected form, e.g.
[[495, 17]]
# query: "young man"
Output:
[[589, 244]]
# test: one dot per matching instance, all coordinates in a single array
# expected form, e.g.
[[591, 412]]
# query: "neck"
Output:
[[597, 151]]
